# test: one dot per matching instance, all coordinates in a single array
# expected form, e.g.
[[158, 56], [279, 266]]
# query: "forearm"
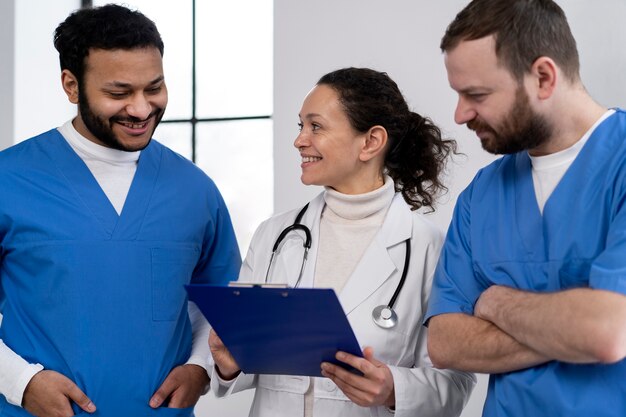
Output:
[[580, 325], [200, 328], [471, 344], [15, 374]]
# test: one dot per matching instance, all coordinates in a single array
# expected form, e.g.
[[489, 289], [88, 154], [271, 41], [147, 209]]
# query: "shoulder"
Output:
[[26, 147], [492, 177], [273, 225]]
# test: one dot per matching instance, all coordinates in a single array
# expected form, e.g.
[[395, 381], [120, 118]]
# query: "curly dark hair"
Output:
[[108, 27], [416, 153]]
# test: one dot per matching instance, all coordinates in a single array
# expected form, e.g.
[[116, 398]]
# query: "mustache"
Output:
[[476, 125], [131, 119]]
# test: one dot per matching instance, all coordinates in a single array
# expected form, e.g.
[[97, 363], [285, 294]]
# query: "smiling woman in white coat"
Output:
[[379, 162]]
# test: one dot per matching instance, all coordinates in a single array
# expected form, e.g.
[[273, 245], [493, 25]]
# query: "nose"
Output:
[[464, 112], [301, 140], [139, 107]]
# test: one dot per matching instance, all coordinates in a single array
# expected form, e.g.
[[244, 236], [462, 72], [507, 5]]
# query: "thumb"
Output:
[[79, 397], [368, 354]]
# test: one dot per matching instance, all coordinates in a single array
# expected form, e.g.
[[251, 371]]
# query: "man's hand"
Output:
[[49, 394], [183, 387]]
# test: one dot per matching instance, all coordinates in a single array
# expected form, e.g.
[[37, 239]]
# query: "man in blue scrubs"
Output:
[[531, 284], [100, 228]]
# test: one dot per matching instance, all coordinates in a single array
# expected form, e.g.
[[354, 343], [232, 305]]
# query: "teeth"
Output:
[[310, 159], [135, 125]]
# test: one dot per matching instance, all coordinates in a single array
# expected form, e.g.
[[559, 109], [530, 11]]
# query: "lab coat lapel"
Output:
[[81, 180], [377, 265]]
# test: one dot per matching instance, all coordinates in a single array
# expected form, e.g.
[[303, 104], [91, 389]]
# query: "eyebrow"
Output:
[[311, 115], [119, 84]]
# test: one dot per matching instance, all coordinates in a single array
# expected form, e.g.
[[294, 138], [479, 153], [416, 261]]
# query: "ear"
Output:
[[545, 73], [70, 85], [375, 142]]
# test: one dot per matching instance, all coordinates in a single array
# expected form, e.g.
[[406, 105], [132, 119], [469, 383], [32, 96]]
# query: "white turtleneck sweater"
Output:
[[114, 171], [347, 227]]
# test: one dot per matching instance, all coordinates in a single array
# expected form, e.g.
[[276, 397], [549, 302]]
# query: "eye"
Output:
[[117, 94], [315, 126], [300, 126], [155, 90], [477, 96]]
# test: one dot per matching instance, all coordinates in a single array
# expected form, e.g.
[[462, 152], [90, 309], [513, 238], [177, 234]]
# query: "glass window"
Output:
[[220, 98]]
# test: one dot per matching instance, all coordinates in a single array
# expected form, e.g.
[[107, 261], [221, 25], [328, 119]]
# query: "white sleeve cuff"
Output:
[[16, 395], [15, 374]]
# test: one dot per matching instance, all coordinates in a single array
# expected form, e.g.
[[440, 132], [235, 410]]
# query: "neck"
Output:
[[573, 114]]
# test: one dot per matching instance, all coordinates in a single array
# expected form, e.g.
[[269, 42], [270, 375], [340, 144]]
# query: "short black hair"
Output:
[[107, 27]]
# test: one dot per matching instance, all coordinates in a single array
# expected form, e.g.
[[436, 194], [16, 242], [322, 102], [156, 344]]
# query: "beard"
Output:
[[102, 129], [522, 129]]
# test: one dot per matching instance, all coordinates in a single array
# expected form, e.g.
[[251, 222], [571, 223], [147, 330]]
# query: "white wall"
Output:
[[7, 78], [39, 101]]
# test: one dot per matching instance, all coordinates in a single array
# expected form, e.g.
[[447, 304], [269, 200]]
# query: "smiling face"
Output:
[[331, 149], [491, 101], [121, 99]]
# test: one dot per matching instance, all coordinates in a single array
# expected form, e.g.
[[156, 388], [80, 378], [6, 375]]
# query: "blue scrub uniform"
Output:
[[96, 296], [498, 236]]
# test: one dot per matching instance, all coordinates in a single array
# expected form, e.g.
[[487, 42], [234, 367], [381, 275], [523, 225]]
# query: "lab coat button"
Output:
[[329, 386]]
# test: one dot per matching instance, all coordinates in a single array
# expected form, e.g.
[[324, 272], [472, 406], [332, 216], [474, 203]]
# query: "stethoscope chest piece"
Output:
[[384, 316]]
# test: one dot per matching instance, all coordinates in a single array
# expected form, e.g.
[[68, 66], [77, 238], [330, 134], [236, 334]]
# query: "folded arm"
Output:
[[581, 325], [471, 344]]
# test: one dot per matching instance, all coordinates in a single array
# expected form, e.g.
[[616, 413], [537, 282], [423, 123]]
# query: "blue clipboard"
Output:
[[277, 330]]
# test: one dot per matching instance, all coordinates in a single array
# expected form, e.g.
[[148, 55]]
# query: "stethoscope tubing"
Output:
[[297, 225]]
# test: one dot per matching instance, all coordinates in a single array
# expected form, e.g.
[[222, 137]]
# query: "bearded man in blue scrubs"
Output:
[[531, 284], [100, 228]]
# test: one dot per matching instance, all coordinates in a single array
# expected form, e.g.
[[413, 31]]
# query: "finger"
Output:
[[165, 390], [354, 394], [368, 354], [360, 364], [214, 339], [341, 376], [79, 397]]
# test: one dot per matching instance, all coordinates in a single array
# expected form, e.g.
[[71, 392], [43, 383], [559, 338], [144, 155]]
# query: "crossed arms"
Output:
[[513, 329]]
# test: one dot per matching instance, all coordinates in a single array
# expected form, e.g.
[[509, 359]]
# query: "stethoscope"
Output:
[[383, 315]]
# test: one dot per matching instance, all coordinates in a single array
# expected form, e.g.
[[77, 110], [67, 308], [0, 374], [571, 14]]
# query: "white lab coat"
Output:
[[420, 390]]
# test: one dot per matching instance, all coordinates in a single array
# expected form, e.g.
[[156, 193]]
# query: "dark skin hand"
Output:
[[182, 387], [50, 394]]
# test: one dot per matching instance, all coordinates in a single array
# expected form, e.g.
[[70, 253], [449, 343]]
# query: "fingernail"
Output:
[[91, 407], [154, 402]]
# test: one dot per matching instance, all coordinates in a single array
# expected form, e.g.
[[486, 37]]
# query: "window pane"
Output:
[[238, 157], [234, 58], [173, 19], [176, 136]]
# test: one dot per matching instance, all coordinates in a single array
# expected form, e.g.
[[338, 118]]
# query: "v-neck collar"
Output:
[[536, 229], [127, 224]]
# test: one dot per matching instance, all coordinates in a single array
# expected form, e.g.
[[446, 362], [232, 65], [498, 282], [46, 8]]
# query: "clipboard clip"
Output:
[[245, 284]]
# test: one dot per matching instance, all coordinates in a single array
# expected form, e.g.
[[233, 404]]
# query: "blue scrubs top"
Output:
[[498, 236], [96, 296]]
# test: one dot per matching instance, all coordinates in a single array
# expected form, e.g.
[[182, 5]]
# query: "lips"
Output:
[[134, 128]]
